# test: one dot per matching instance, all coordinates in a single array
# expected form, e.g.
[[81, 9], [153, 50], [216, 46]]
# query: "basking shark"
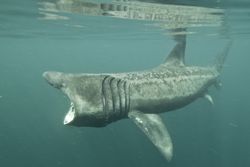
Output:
[[100, 99]]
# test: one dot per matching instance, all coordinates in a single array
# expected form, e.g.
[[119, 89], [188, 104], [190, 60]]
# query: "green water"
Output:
[[31, 112]]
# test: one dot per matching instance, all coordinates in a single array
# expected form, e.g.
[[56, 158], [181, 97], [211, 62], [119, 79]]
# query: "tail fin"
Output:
[[220, 60]]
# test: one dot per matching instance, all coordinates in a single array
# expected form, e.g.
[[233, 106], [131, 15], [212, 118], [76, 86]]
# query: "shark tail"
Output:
[[220, 60]]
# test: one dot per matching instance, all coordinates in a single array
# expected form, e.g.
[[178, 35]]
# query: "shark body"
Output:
[[100, 99]]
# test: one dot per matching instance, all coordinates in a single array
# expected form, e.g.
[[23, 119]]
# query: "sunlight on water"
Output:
[[75, 19], [164, 16]]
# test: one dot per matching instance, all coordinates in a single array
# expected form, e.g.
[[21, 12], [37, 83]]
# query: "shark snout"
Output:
[[55, 79]]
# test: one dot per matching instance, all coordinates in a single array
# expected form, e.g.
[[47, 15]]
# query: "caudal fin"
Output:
[[220, 60]]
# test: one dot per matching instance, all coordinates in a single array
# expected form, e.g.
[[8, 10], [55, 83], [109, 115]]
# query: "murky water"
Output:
[[118, 36]]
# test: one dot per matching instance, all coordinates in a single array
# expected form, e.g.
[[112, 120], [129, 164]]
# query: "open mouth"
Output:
[[70, 115]]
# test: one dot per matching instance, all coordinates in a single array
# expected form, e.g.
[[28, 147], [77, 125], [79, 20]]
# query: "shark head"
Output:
[[84, 93]]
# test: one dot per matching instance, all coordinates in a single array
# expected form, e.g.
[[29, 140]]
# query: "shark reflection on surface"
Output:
[[166, 16]]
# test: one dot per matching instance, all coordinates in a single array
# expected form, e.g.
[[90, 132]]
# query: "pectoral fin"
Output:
[[154, 128]]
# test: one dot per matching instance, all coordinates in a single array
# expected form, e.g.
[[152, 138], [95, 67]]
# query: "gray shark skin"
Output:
[[100, 99]]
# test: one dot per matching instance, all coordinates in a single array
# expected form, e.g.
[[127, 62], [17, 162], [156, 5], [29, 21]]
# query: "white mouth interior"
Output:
[[70, 115]]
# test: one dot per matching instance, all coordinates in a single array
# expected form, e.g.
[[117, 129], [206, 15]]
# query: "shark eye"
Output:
[[72, 106], [63, 85], [59, 86]]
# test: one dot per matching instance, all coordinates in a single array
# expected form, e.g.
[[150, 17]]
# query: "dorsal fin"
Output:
[[176, 56]]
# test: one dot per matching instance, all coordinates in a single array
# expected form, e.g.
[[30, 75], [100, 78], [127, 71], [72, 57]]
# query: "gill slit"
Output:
[[112, 94], [120, 96], [118, 91], [126, 98], [104, 98]]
